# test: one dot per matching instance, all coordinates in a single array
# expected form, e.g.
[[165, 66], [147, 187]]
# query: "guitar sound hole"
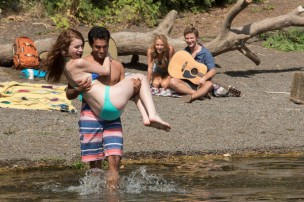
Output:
[[194, 71]]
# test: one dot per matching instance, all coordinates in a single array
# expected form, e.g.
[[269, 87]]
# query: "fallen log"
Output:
[[6, 55], [229, 38]]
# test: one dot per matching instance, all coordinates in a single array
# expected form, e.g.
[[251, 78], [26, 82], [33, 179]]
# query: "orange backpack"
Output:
[[25, 54]]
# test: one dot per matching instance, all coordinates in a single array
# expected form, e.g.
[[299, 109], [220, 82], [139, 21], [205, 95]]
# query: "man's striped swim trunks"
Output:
[[98, 138]]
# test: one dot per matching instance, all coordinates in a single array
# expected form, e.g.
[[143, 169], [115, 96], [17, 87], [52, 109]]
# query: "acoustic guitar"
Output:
[[183, 66]]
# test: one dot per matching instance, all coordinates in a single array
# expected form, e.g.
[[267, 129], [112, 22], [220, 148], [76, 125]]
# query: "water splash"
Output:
[[136, 182], [140, 181], [93, 182]]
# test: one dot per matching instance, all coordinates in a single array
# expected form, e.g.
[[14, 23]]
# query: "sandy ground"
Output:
[[263, 119]]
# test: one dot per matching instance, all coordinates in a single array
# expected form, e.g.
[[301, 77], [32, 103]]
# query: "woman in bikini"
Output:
[[105, 101], [159, 55]]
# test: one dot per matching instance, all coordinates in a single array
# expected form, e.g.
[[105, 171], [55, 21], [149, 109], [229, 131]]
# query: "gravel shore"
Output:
[[263, 119]]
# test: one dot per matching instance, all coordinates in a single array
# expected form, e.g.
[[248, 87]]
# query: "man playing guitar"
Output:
[[202, 55]]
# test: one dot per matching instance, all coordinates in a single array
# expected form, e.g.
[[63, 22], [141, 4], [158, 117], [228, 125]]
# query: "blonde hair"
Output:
[[165, 53]]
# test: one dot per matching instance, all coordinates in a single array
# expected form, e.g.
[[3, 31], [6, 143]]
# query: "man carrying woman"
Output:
[[106, 102]]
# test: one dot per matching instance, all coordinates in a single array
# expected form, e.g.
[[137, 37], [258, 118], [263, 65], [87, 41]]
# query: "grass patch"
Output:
[[268, 7], [79, 165], [284, 40]]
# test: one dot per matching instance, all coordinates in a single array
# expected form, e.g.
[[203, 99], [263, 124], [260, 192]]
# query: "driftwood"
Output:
[[297, 88], [229, 38], [234, 38]]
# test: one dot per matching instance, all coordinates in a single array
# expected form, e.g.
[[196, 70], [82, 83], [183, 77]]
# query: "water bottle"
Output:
[[31, 74]]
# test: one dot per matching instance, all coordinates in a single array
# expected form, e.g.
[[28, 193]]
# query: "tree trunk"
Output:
[[229, 39], [297, 88]]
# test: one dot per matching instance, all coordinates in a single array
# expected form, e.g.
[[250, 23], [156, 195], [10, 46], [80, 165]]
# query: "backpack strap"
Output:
[[28, 44]]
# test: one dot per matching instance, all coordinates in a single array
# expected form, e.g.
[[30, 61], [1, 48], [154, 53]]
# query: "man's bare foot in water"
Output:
[[158, 123], [112, 182]]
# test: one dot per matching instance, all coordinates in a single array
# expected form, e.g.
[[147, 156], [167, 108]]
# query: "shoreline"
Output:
[[25, 165]]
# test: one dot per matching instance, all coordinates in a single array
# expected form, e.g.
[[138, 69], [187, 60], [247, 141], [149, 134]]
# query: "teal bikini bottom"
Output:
[[109, 112]]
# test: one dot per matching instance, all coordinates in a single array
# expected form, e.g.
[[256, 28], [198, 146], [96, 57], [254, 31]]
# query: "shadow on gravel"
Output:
[[136, 66], [248, 73]]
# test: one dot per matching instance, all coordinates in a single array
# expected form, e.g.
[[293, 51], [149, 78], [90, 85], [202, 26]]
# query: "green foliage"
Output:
[[94, 11], [134, 11], [285, 40], [66, 13], [18, 6], [224, 3], [266, 7], [79, 165], [104, 164], [61, 21], [61, 6], [186, 5], [88, 12], [258, 1], [10, 6]]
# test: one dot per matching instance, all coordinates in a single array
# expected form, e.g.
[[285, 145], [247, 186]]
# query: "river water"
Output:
[[251, 179]]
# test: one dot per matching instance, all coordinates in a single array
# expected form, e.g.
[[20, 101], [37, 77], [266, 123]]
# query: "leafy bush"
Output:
[[134, 11], [94, 11], [10, 6], [285, 40], [67, 13], [33, 8]]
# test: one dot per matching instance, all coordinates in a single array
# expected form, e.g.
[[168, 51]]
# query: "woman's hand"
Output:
[[136, 85], [84, 84]]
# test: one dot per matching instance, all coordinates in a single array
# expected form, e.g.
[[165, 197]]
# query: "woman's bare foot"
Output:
[[158, 123], [146, 120]]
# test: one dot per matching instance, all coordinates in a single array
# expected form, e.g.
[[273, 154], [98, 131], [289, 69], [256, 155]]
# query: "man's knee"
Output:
[[208, 85]]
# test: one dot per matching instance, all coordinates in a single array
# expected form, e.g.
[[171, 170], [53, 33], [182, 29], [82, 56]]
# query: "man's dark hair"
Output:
[[98, 32]]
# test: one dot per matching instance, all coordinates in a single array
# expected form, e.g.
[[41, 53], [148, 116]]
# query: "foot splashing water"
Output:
[[137, 182]]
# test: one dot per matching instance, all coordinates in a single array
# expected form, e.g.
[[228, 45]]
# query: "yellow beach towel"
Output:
[[33, 96]]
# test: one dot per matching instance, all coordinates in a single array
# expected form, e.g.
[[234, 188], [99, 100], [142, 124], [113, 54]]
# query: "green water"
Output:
[[260, 179]]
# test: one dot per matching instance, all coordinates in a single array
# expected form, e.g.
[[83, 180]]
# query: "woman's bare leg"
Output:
[[165, 82], [157, 79], [142, 110], [124, 91], [146, 99]]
